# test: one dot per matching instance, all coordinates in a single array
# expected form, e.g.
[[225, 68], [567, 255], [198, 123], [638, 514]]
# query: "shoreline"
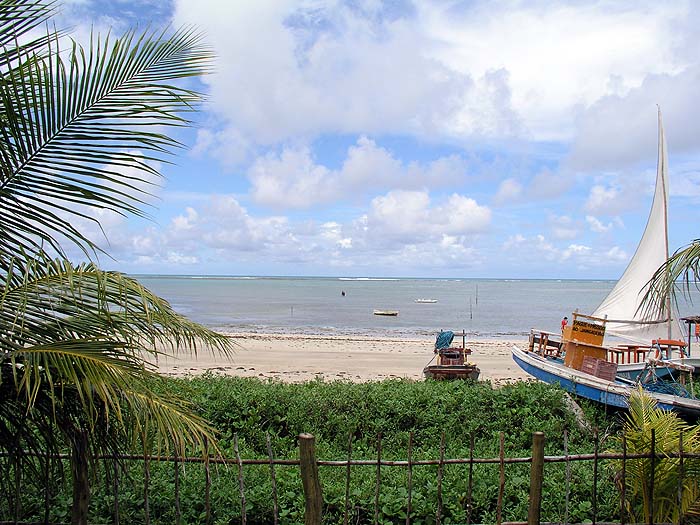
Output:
[[357, 358]]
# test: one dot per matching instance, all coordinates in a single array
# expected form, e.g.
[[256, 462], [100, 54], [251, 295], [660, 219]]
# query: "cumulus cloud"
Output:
[[619, 131], [563, 227], [441, 114], [429, 68], [596, 225], [601, 199], [509, 190], [407, 216], [335, 68], [565, 257], [547, 185], [295, 180], [559, 56], [397, 224]]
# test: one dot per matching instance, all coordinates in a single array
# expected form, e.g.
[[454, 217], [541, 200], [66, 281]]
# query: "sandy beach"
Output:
[[296, 358]]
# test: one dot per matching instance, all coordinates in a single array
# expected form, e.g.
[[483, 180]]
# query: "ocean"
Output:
[[485, 308]]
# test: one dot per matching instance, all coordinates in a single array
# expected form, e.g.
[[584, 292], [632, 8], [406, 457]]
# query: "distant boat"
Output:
[[425, 301], [392, 313]]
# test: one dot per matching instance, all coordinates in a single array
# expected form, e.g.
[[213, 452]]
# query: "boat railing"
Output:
[[463, 348], [551, 344], [545, 343], [638, 353]]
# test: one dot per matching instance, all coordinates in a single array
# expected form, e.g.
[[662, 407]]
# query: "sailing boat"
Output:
[[621, 308], [583, 365]]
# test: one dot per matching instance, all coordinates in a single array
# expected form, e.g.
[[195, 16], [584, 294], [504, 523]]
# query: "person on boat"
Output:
[[564, 322], [342, 293]]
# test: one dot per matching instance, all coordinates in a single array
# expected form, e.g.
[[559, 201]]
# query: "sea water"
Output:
[[485, 308]]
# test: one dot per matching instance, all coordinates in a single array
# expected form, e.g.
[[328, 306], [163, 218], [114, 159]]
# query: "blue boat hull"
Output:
[[582, 390], [610, 393]]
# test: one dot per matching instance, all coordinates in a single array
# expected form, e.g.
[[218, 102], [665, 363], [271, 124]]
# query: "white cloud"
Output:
[[291, 180], [408, 217], [185, 222], [559, 56], [526, 250], [563, 227], [617, 254], [601, 199], [547, 185], [294, 180], [575, 250], [434, 68], [597, 226], [181, 259], [400, 225], [509, 190], [619, 131]]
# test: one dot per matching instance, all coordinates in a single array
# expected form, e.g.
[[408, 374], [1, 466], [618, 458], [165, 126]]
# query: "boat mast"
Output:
[[663, 168]]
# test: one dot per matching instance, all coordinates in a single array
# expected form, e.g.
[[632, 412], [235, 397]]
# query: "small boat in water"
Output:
[[389, 313], [425, 301], [451, 361]]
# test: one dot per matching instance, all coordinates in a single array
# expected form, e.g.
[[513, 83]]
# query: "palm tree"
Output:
[[663, 473], [76, 342], [680, 272]]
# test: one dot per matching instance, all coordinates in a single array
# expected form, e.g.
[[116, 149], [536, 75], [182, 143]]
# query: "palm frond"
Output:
[[680, 273], [42, 299], [643, 419], [79, 130], [88, 330], [19, 20], [170, 423]]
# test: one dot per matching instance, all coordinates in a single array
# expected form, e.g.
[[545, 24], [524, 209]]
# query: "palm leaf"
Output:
[[644, 417], [42, 299], [19, 21], [78, 128], [680, 273], [85, 331]]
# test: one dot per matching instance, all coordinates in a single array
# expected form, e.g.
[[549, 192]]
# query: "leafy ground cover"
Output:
[[251, 409]]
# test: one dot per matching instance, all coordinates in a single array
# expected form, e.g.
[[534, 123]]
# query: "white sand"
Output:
[[295, 358]]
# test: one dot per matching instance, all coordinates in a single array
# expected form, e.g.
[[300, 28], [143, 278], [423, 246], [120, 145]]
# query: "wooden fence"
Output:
[[308, 465]]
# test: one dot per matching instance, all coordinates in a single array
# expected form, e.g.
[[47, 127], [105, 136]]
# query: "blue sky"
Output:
[[427, 139]]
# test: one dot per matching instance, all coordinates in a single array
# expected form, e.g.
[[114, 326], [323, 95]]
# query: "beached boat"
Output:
[[612, 392], [636, 330], [425, 301], [654, 357], [390, 313], [450, 362]]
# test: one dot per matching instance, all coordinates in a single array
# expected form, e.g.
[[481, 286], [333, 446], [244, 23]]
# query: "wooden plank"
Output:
[[310, 480], [536, 477], [273, 480]]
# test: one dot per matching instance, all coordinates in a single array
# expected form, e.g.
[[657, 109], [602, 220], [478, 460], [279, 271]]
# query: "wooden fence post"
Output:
[[310, 479], [80, 461], [536, 476]]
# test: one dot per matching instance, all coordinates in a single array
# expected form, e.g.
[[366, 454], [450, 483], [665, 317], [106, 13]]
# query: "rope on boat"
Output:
[[650, 381]]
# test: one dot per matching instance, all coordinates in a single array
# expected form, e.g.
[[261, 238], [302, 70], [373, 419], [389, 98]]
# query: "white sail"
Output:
[[621, 306]]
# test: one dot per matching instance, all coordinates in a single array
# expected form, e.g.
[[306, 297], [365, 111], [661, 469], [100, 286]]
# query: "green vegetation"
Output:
[[333, 411], [645, 418], [80, 133]]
